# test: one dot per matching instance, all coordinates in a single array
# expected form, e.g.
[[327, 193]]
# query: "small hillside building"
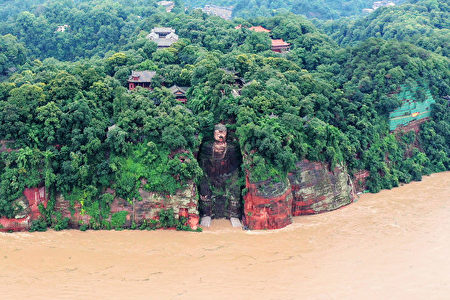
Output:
[[259, 29], [164, 37], [62, 28], [179, 93], [280, 46], [141, 78]]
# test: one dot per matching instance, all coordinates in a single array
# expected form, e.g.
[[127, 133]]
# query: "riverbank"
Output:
[[390, 245]]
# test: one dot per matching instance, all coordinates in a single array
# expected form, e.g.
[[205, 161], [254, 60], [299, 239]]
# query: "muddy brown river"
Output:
[[390, 245]]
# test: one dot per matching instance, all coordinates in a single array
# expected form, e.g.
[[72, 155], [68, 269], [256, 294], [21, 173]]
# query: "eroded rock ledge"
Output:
[[312, 188], [184, 204]]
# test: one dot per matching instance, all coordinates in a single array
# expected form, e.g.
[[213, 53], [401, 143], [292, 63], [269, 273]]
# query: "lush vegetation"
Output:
[[423, 23], [65, 107], [322, 9]]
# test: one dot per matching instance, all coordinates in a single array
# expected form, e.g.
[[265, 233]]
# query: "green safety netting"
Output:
[[412, 108]]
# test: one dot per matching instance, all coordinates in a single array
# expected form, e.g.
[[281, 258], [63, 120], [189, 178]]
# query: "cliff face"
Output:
[[360, 179], [317, 189], [184, 204], [267, 205], [219, 187], [30, 201], [312, 188]]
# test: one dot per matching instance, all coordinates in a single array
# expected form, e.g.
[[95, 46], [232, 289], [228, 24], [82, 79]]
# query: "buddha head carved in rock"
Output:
[[220, 133], [220, 144]]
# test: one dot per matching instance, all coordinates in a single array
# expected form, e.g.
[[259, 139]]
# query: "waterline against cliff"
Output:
[[392, 245]]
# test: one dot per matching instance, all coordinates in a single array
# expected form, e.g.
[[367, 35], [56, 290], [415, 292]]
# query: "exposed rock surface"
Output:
[[317, 189], [312, 188], [411, 126], [76, 218], [184, 204], [29, 203], [360, 179], [219, 188], [267, 205]]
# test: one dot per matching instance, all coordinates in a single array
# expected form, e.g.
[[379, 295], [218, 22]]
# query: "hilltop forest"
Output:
[[72, 124]]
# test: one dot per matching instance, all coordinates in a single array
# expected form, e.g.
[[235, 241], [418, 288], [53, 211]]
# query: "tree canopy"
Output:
[[71, 123]]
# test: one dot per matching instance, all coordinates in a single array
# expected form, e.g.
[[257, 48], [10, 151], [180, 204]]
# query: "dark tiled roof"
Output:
[[161, 42], [259, 29], [176, 88], [163, 30], [141, 76], [279, 43]]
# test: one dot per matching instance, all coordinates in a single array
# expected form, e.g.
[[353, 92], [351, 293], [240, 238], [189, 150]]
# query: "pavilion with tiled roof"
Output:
[[280, 46], [259, 29], [141, 78]]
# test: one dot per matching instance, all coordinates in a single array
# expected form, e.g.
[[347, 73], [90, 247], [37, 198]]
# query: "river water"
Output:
[[390, 245]]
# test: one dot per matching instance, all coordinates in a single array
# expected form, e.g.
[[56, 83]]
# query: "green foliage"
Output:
[[21, 169], [118, 220], [326, 9], [38, 225], [149, 225], [160, 171], [60, 223], [167, 218], [78, 130], [420, 22], [12, 54]]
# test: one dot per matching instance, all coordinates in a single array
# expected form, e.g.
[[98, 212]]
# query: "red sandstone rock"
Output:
[[360, 179], [311, 189], [267, 211], [193, 221], [184, 203], [34, 197], [22, 224]]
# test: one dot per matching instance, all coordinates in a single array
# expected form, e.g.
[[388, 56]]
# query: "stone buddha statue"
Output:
[[219, 188]]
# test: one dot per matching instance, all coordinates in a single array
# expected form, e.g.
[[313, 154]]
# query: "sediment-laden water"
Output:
[[390, 245]]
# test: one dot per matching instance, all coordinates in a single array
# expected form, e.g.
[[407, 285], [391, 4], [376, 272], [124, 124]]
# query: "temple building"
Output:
[[280, 46], [259, 29], [62, 28], [141, 78], [179, 93], [164, 37]]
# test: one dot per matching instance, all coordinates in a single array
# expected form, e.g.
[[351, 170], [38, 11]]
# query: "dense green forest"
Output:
[[322, 9], [423, 23], [65, 106]]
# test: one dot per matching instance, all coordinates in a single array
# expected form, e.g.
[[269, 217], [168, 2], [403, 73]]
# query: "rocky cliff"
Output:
[[184, 204], [267, 205], [311, 188], [28, 212], [360, 179], [317, 189]]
